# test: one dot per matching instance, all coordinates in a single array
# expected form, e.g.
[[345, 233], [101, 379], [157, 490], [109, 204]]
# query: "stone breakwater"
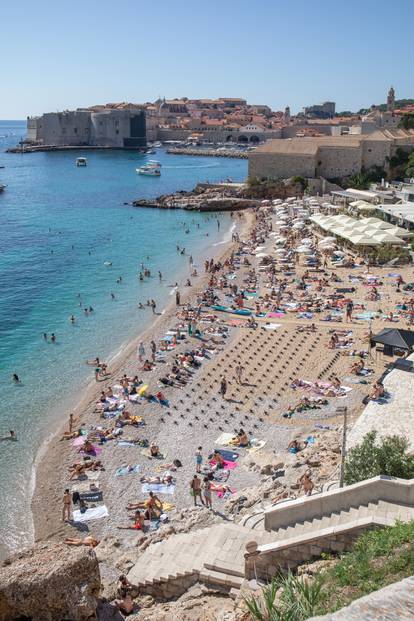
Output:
[[201, 198], [209, 152]]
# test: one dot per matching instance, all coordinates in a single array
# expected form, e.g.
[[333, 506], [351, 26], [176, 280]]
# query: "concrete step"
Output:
[[210, 576]]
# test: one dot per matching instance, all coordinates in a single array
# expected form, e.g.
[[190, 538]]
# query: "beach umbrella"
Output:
[[280, 251], [304, 250], [307, 240], [339, 253], [297, 226], [260, 255], [259, 248], [327, 239]]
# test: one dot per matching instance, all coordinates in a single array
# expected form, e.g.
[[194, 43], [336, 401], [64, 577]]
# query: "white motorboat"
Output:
[[149, 171], [81, 161]]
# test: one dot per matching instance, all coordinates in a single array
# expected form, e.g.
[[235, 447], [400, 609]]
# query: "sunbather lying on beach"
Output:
[[166, 479], [86, 541]]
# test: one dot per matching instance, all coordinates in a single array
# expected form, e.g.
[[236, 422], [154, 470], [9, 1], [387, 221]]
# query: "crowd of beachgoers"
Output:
[[276, 338]]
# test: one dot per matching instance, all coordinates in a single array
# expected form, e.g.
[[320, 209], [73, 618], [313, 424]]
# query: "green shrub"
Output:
[[298, 600], [371, 458]]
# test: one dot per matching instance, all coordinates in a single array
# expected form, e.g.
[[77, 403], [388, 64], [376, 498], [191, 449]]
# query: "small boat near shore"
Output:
[[81, 161], [151, 169], [2, 187]]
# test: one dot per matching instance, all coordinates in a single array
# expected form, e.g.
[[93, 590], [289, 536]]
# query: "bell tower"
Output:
[[391, 100]]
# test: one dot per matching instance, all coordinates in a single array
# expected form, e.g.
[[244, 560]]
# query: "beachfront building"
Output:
[[366, 232], [120, 126], [330, 157]]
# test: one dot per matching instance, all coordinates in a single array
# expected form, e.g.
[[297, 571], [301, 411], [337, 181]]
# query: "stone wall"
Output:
[[264, 565], [281, 166], [334, 162], [66, 128]]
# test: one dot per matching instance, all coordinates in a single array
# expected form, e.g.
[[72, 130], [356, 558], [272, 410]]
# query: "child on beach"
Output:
[[198, 459]]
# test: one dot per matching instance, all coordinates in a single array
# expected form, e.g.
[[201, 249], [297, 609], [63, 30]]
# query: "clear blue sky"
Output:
[[57, 55]]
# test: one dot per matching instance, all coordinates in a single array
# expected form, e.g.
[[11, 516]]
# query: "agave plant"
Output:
[[299, 599]]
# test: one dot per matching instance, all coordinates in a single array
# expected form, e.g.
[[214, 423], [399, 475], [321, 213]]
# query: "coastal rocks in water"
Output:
[[202, 198], [50, 582]]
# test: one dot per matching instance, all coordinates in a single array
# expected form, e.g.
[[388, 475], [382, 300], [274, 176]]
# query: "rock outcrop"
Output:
[[50, 582]]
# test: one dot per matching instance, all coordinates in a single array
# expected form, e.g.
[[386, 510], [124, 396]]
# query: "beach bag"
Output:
[[177, 463]]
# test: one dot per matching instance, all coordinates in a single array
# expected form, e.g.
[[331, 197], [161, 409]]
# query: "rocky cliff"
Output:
[[50, 582]]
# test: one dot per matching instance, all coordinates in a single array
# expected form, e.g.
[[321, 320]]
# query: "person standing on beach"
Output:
[[153, 350], [198, 459], [195, 486], [153, 306], [177, 298], [223, 386], [71, 422], [141, 351], [67, 506], [239, 373], [349, 309], [207, 492]]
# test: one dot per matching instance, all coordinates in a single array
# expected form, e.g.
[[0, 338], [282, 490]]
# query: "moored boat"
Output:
[[81, 161]]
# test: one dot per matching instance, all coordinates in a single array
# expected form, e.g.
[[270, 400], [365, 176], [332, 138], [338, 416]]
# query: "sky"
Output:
[[64, 55]]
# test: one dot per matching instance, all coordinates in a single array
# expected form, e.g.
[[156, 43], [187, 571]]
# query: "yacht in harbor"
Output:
[[151, 169], [81, 161]]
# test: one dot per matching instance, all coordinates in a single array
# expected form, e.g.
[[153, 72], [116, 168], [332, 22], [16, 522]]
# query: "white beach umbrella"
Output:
[[306, 241], [304, 250], [260, 255], [327, 239], [259, 248]]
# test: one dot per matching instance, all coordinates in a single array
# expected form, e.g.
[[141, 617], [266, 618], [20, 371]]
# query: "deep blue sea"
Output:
[[59, 224]]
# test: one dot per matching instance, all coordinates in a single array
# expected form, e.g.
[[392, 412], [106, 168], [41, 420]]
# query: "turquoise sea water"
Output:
[[59, 224]]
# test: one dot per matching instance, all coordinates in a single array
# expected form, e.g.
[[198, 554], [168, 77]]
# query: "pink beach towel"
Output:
[[228, 465]]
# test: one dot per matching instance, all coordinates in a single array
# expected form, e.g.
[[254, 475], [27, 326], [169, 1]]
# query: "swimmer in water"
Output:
[[72, 319], [159, 275], [140, 305], [53, 338], [113, 296], [12, 436], [16, 378], [44, 336]]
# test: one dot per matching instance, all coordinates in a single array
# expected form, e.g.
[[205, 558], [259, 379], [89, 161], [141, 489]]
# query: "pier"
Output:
[[208, 152]]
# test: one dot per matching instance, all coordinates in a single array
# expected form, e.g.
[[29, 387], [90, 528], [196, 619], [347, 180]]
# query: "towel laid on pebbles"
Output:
[[93, 513], [120, 472], [224, 439], [256, 445], [158, 488]]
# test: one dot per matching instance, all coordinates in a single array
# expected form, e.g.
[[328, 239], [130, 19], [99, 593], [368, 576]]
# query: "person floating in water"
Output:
[[16, 379], [12, 436]]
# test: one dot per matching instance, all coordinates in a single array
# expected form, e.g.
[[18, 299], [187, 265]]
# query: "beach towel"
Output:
[[92, 496], [278, 314], [78, 441], [95, 451], [228, 455], [227, 465], [167, 506], [271, 326], [126, 443], [93, 513], [147, 453], [259, 444], [224, 439], [85, 486], [123, 470], [158, 488]]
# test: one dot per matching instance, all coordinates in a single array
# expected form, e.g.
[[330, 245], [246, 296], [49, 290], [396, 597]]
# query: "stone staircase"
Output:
[[213, 555], [225, 554]]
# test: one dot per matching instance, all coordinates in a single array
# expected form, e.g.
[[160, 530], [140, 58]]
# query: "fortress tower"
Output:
[[391, 100]]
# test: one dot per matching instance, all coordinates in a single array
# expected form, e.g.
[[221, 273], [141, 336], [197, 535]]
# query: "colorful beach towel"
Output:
[[227, 465]]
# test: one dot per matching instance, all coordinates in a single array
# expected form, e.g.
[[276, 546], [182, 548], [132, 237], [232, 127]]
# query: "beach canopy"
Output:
[[394, 339]]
